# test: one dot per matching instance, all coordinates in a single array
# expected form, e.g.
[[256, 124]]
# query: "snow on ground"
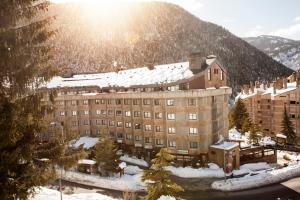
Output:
[[261, 179], [132, 170], [250, 167], [116, 183], [189, 172], [244, 138], [287, 157], [166, 198], [49, 194], [134, 160], [88, 142]]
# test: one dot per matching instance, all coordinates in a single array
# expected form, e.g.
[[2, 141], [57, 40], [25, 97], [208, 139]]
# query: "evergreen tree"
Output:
[[106, 155], [24, 64], [239, 118], [254, 136], [157, 178], [288, 127]]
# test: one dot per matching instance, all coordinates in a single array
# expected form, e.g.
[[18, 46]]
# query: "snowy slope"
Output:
[[280, 49]]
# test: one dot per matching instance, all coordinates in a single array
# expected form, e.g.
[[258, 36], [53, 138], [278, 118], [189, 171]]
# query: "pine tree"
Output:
[[239, 118], [246, 125], [288, 127], [254, 136], [157, 178], [106, 155], [24, 64]]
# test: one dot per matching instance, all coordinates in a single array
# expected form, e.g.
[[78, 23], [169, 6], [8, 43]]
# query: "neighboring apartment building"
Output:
[[265, 103], [181, 106]]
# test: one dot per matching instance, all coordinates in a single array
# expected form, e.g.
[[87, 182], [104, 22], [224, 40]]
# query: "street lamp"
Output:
[[61, 125]]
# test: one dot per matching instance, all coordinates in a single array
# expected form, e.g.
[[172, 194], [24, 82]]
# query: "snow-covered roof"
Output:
[[86, 162], [88, 142], [290, 87], [225, 145], [280, 135], [161, 74]]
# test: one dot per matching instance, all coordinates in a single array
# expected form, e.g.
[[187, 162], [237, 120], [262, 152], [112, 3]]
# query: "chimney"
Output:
[[284, 83], [274, 87], [196, 62]]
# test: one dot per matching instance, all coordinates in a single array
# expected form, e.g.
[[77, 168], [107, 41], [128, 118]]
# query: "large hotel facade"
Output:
[[181, 106], [265, 103]]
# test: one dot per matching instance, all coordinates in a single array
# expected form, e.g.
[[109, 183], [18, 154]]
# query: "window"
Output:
[[191, 102], [74, 113], [216, 71], [136, 102], [293, 116], [147, 114], [128, 137], [127, 101], [86, 112], [62, 113], [119, 124], [192, 116], [137, 126], [171, 143], [157, 102], [85, 102], [111, 123], [86, 122], [98, 132], [98, 112], [75, 123], [73, 102], [61, 103], [98, 122], [97, 101], [128, 124], [136, 113], [109, 101], [118, 112], [103, 122], [193, 130], [193, 145], [292, 102], [118, 101], [171, 130], [148, 127], [103, 112], [158, 115], [222, 75], [110, 112], [147, 101], [158, 128], [147, 140], [171, 116], [127, 113], [102, 101], [120, 135], [170, 102], [87, 132], [138, 138], [209, 74], [173, 88], [159, 142]]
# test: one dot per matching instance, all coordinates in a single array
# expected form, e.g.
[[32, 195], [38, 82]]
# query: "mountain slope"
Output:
[[152, 33], [283, 50]]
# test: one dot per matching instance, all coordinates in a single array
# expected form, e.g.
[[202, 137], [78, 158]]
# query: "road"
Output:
[[284, 191]]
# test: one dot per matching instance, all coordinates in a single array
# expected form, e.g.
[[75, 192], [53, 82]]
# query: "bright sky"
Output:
[[244, 18]]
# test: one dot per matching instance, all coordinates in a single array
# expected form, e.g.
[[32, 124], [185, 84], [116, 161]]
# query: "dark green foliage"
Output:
[[24, 56], [158, 180], [106, 155], [288, 127], [239, 118], [255, 134]]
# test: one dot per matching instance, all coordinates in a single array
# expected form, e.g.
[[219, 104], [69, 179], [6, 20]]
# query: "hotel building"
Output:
[[181, 106]]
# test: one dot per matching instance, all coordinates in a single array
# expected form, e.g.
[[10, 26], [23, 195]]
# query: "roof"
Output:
[[160, 74], [280, 135], [225, 145], [86, 162], [268, 91]]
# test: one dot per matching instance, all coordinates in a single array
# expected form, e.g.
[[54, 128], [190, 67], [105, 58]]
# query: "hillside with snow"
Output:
[[285, 51], [151, 33]]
